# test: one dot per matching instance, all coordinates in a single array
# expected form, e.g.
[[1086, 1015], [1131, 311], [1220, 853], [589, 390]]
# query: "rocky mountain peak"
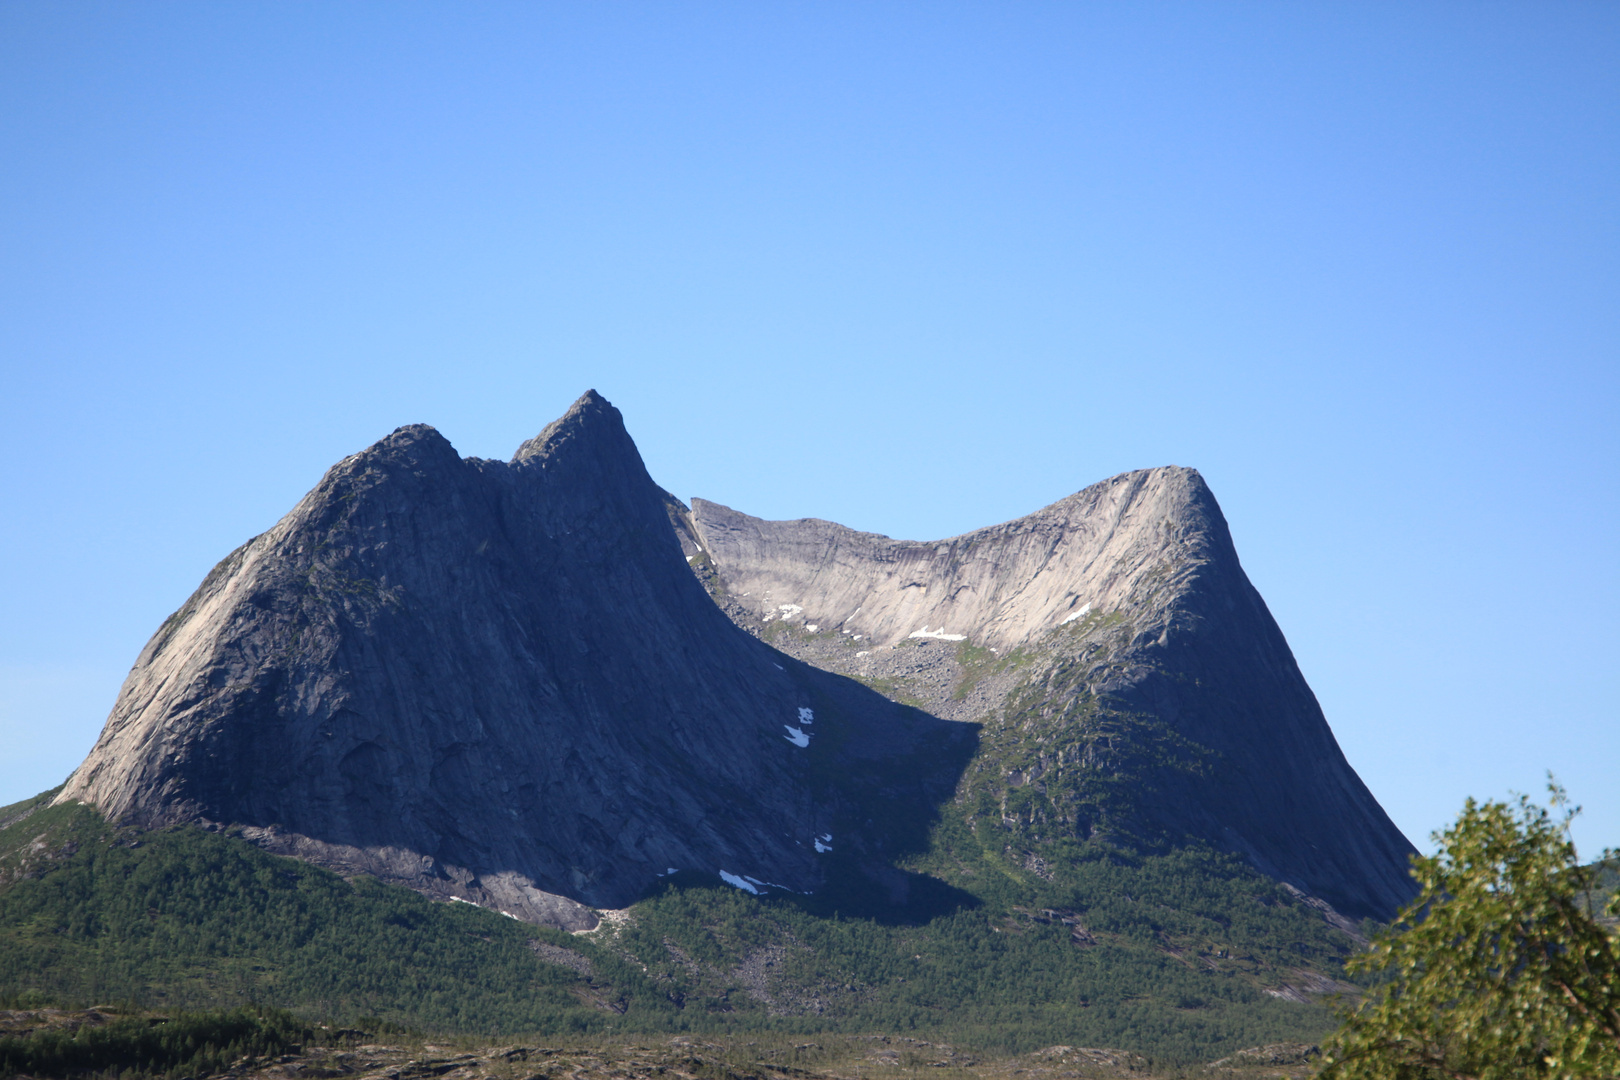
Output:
[[501, 682], [1127, 678], [591, 427], [1000, 586], [494, 682]]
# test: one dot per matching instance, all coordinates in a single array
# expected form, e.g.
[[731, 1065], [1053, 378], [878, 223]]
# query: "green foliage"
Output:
[[1169, 955], [1190, 901], [182, 918], [977, 662], [1007, 980], [184, 1046], [1062, 762], [1499, 969]]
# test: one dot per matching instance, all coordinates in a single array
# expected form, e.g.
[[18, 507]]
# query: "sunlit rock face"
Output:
[[543, 684], [1129, 679], [494, 681]]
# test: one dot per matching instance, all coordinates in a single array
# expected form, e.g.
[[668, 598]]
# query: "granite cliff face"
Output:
[[501, 682], [497, 682], [1129, 679]]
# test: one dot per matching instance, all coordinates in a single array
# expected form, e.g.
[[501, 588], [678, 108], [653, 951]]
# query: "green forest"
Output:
[[1172, 953]]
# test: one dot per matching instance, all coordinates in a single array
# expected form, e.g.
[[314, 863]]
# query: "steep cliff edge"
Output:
[[497, 682], [1129, 679], [501, 682], [1109, 546]]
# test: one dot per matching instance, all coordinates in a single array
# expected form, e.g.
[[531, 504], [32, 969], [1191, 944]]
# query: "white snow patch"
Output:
[[738, 881], [777, 666], [796, 737], [749, 883], [789, 610], [671, 870], [509, 915], [939, 634], [689, 558], [1073, 615], [459, 900], [806, 716], [812, 627], [824, 842], [768, 884], [862, 653], [859, 636]]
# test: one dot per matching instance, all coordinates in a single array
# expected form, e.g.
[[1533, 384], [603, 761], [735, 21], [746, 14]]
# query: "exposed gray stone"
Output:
[[1129, 591], [489, 681], [498, 682]]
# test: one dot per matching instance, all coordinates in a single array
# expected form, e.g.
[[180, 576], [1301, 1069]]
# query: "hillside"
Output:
[[1053, 783], [1127, 680], [496, 681], [1183, 958]]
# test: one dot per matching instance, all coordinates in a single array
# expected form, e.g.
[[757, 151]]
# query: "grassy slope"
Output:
[[1165, 954]]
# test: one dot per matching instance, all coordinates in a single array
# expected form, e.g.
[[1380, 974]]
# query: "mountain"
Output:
[[1128, 678], [1055, 782], [498, 682], [545, 685]]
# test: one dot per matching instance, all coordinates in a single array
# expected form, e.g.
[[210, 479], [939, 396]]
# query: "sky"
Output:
[[915, 268]]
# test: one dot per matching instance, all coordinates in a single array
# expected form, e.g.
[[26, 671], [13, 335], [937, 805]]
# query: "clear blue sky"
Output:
[[915, 268]]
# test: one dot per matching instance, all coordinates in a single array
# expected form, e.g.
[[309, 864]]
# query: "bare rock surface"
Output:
[[1113, 545], [542, 685], [495, 682], [1127, 676]]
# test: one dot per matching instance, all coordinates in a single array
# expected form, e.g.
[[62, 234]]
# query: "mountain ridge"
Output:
[[1139, 635], [501, 682], [1002, 608], [489, 681]]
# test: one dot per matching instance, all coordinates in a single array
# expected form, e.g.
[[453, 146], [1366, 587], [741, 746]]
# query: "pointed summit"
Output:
[[591, 424], [1129, 679], [495, 683], [588, 451]]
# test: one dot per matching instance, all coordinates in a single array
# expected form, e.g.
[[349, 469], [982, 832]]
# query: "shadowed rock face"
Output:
[[1115, 638], [501, 682], [489, 680]]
